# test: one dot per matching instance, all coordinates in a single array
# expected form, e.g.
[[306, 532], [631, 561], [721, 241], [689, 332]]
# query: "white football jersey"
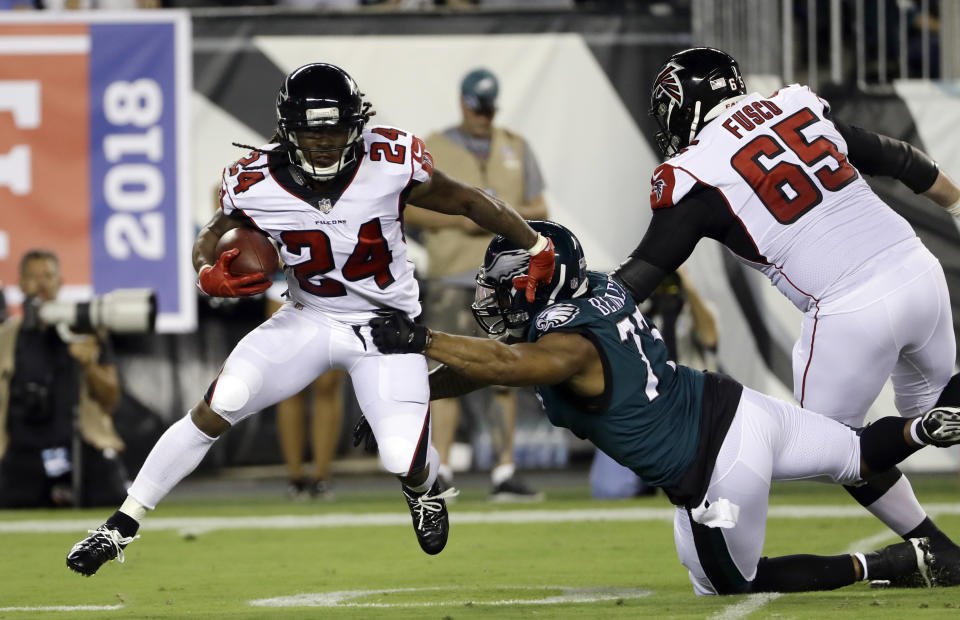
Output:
[[343, 253], [782, 169]]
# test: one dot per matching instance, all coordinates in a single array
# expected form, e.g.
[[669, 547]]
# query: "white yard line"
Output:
[[65, 608], [282, 522], [746, 607], [344, 598]]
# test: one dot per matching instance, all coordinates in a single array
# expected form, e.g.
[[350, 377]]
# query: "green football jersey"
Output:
[[648, 417]]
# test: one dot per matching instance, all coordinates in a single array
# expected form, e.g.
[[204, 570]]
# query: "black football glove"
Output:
[[362, 433], [395, 332]]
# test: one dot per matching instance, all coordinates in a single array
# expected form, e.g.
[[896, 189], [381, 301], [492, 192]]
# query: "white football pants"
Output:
[[895, 322], [768, 440], [293, 347]]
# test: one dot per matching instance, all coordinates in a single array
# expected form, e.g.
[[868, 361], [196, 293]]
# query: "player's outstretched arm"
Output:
[[945, 193], [445, 382], [554, 358], [876, 154], [445, 194]]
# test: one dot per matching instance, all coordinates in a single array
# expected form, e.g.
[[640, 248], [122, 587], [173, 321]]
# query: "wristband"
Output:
[[200, 273], [539, 246], [954, 209]]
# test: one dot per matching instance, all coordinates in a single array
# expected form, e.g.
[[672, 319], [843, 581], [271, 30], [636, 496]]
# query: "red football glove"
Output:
[[539, 272], [217, 281]]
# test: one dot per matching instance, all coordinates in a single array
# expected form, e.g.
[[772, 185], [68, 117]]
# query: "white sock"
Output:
[[913, 432], [433, 460], [177, 453], [502, 473], [898, 508], [133, 509], [863, 564]]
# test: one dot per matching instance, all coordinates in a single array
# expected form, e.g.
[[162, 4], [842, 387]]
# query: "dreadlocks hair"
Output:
[[280, 148]]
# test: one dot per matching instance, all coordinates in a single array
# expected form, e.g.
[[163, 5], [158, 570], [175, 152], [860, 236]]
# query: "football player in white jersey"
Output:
[[778, 181], [330, 192]]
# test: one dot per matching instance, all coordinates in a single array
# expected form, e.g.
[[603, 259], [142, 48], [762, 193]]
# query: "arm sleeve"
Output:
[[670, 239], [672, 236], [876, 154]]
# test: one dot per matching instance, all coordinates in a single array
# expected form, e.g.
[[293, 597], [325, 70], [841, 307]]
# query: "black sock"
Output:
[[950, 395], [804, 573], [123, 523], [882, 444], [929, 529]]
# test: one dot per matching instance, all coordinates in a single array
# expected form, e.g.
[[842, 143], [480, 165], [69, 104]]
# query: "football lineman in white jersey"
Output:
[[330, 192], [778, 181]]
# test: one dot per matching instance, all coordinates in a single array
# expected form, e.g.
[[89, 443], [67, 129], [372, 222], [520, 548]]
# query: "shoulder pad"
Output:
[[668, 185]]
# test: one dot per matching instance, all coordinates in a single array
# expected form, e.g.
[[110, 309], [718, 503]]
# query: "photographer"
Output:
[[47, 382]]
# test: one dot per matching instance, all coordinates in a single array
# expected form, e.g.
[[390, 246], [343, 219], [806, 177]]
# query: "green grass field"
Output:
[[549, 560]]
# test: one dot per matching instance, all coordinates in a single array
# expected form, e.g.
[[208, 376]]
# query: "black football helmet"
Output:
[[499, 307], [688, 92], [320, 97]]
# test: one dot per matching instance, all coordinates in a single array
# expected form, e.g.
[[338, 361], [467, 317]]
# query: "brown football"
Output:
[[256, 252]]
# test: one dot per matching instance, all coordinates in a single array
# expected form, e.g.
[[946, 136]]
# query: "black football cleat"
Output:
[[430, 520], [946, 563], [903, 565], [940, 427], [102, 545]]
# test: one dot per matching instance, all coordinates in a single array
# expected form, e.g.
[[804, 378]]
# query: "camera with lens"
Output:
[[122, 311]]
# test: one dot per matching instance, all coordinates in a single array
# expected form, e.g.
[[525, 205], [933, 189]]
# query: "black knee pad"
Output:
[[874, 488]]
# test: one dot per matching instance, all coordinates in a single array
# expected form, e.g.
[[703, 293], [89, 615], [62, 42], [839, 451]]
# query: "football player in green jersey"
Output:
[[601, 369]]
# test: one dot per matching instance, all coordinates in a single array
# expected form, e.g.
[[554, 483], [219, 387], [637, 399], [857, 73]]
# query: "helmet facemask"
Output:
[[320, 118], [496, 309], [308, 144]]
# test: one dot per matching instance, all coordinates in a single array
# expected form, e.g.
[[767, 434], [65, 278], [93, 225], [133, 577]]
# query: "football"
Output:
[[257, 253]]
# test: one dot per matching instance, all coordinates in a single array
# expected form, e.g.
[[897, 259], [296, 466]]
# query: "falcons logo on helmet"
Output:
[[667, 83]]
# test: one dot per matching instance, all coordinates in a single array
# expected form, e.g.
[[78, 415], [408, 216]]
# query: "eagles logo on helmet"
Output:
[[499, 306], [691, 88]]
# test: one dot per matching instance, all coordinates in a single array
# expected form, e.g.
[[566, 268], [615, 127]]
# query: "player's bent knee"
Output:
[[207, 420], [228, 395], [396, 455]]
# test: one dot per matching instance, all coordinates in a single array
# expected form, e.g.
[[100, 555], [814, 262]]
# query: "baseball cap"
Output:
[[479, 89]]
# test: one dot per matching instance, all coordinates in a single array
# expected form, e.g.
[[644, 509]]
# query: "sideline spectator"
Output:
[[501, 163], [45, 383], [325, 400]]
